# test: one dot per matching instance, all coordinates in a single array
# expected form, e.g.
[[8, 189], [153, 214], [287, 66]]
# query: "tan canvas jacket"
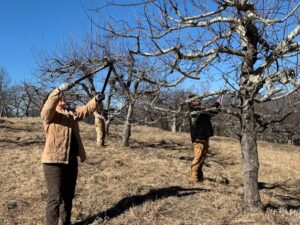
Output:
[[58, 127], [98, 114]]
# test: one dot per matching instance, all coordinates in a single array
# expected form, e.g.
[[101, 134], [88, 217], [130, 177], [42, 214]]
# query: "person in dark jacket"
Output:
[[62, 148], [201, 130]]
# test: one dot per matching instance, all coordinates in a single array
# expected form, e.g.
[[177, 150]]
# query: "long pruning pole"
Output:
[[92, 73], [109, 64], [107, 78]]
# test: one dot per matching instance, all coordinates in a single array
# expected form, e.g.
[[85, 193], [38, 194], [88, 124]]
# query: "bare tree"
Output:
[[276, 120], [4, 95], [251, 45], [15, 100], [24, 100], [75, 63], [129, 88], [164, 109]]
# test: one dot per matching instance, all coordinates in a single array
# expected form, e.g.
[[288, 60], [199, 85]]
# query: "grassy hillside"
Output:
[[147, 183]]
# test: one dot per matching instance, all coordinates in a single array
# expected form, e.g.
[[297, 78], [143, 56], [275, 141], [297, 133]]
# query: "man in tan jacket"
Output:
[[62, 147], [100, 118]]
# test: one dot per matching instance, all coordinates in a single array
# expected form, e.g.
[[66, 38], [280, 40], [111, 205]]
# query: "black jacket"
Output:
[[200, 124]]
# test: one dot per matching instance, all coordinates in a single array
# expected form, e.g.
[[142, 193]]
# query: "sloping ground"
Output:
[[147, 183]]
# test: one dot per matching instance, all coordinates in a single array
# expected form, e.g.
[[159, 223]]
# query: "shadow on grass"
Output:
[[162, 144], [15, 128], [136, 200], [262, 185], [279, 207], [288, 194], [22, 143]]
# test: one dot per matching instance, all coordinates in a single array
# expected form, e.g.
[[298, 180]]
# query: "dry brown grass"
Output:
[[147, 183]]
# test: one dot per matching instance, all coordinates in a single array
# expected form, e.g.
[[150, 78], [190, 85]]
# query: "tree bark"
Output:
[[249, 152], [174, 123], [127, 126], [251, 198]]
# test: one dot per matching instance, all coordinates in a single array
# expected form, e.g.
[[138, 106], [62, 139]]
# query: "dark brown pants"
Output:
[[61, 181]]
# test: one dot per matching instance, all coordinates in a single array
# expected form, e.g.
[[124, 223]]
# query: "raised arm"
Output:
[[84, 111], [48, 111]]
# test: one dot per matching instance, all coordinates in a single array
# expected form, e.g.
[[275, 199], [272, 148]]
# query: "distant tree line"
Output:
[[19, 100], [277, 125], [275, 121]]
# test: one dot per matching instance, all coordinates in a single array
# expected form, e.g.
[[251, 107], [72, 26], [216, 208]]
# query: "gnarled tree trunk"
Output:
[[127, 126], [174, 123], [250, 160]]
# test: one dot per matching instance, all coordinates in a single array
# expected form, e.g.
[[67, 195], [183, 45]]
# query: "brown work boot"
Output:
[[101, 144], [194, 180], [200, 176], [196, 177]]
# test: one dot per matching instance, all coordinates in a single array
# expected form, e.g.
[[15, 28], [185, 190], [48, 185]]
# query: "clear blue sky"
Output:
[[29, 27]]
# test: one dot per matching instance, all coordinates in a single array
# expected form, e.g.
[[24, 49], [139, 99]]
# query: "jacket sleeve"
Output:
[[211, 113], [48, 111], [212, 110], [84, 111]]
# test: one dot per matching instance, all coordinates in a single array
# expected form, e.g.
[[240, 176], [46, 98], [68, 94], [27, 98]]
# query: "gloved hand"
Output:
[[99, 97], [65, 86]]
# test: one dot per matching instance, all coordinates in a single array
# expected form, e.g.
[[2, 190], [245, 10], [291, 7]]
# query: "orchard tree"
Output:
[[4, 92], [130, 89], [164, 109], [249, 49], [74, 62]]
